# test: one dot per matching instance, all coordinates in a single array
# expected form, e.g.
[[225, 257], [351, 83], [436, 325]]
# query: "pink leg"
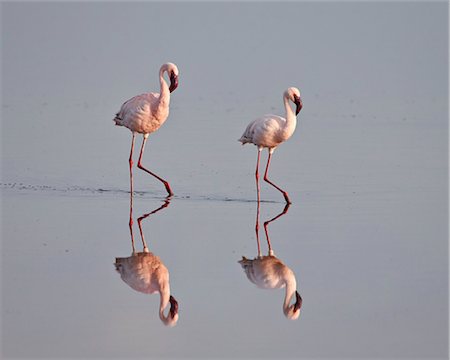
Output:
[[130, 223], [266, 223], [166, 184], [132, 236], [144, 244], [257, 230], [285, 194], [258, 188], [130, 161]]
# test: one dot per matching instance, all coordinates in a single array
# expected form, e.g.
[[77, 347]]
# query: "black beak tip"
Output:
[[299, 103], [173, 82], [173, 306], [298, 302]]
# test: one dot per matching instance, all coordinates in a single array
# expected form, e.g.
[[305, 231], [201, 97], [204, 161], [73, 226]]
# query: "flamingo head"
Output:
[[173, 307], [294, 95], [172, 317], [172, 70]]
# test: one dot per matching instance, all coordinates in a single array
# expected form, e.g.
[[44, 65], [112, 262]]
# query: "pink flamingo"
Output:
[[146, 113], [145, 272], [269, 131], [269, 272]]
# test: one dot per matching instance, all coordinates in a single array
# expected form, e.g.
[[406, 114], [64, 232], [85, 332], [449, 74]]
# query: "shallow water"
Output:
[[366, 276], [367, 171]]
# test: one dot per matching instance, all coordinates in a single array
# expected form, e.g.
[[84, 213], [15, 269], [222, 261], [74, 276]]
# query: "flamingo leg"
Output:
[[166, 184], [285, 194], [130, 162], [258, 188]]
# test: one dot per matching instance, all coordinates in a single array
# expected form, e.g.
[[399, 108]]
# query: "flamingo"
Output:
[[146, 113], [269, 131], [269, 272], [146, 273]]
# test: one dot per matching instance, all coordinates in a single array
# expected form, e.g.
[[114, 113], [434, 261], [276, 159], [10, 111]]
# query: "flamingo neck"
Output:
[[164, 93], [164, 301], [290, 115], [291, 287]]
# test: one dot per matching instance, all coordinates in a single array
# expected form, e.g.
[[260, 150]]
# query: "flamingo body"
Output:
[[268, 131], [143, 113]]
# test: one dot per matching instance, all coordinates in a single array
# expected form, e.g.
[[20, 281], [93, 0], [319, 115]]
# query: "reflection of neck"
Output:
[[164, 301], [291, 287]]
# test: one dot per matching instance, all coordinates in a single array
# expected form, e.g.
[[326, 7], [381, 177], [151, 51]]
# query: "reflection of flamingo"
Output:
[[146, 273], [270, 131], [269, 272], [146, 113]]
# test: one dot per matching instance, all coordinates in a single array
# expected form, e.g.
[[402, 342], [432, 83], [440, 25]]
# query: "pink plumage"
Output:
[[269, 131], [146, 113]]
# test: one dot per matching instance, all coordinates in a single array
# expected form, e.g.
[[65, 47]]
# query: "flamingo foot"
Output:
[[168, 189]]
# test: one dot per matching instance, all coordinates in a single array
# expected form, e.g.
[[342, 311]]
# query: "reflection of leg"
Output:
[[166, 184], [132, 236], [130, 224], [285, 194], [257, 174], [144, 244], [257, 230], [266, 223]]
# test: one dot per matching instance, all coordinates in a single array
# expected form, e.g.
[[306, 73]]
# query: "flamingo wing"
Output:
[[138, 113], [264, 131]]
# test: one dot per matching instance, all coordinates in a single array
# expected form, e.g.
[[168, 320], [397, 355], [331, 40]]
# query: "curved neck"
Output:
[[164, 301], [291, 287], [290, 115], [164, 93]]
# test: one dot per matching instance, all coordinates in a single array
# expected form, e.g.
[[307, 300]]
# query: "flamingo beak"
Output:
[[173, 82], [299, 103], [173, 306], [298, 302]]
